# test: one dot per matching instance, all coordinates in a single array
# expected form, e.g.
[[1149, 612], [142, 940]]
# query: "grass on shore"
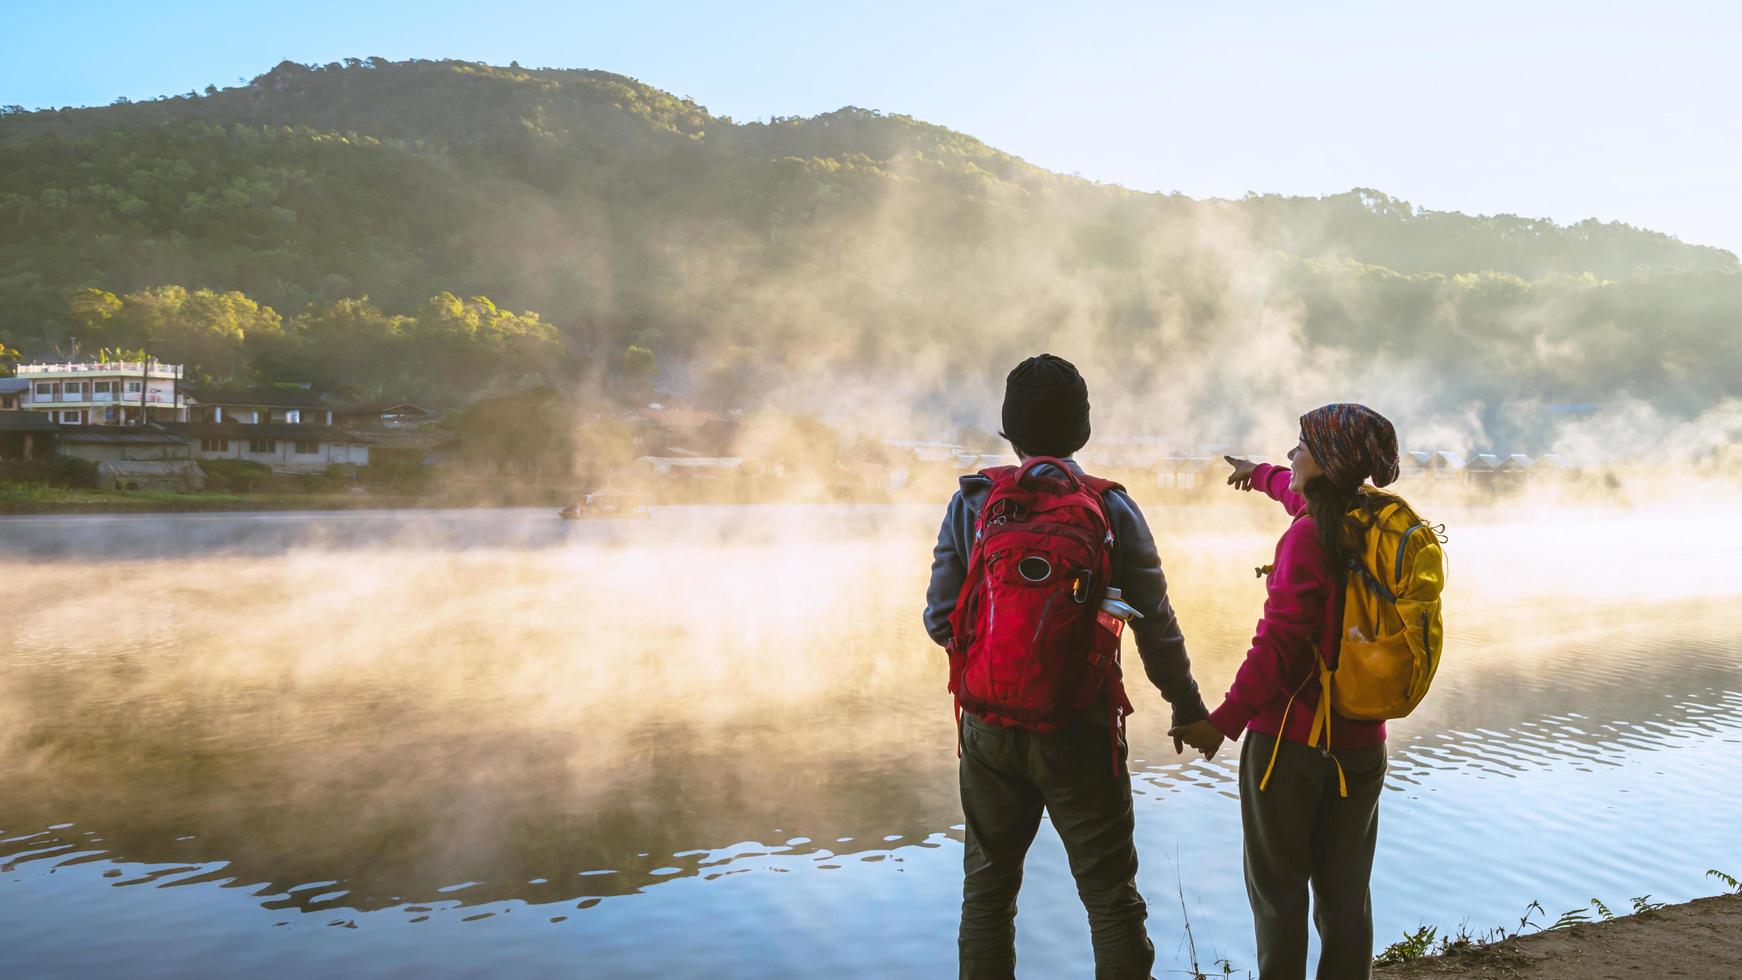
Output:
[[1426, 941]]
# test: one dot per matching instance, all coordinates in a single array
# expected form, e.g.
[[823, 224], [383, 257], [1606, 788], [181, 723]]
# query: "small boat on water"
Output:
[[597, 505]]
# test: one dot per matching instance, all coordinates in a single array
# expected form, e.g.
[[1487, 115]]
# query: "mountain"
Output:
[[848, 258]]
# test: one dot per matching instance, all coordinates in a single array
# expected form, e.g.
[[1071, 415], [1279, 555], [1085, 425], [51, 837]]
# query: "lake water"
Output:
[[716, 742]]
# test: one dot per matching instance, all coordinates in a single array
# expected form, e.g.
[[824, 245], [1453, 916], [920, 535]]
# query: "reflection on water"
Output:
[[726, 723]]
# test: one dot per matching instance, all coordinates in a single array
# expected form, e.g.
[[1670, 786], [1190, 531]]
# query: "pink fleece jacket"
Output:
[[1304, 604]]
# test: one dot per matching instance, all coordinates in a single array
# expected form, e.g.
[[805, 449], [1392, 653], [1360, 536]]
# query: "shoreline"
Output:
[[145, 502], [51, 501], [1699, 938]]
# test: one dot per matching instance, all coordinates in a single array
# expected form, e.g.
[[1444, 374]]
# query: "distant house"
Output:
[[295, 406], [384, 415], [1483, 469], [398, 432], [1437, 463], [660, 428], [147, 457], [104, 392], [117, 443], [287, 447], [288, 429], [12, 392], [1186, 473], [27, 435]]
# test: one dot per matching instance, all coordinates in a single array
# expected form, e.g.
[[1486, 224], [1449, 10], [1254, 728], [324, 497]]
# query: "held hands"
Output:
[[1241, 478], [1200, 735]]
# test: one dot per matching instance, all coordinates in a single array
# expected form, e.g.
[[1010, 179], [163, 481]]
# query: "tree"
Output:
[[529, 432], [203, 329], [348, 344], [93, 310], [638, 371]]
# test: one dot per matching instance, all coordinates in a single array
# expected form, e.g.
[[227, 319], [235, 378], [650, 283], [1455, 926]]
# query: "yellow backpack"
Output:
[[1392, 635]]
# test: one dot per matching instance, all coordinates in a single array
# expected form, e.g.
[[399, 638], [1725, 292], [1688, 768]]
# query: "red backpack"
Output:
[[1030, 646]]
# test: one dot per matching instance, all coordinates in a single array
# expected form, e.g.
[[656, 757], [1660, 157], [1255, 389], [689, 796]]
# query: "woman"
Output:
[[1310, 814]]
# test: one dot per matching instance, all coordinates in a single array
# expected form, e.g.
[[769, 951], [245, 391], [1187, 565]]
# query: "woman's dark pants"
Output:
[[1008, 777], [1299, 831]]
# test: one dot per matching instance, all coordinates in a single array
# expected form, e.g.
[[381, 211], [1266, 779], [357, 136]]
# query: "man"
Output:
[[1010, 774]]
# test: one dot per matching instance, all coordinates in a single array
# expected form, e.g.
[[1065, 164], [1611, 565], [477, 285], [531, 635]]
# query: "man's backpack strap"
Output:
[[1099, 486]]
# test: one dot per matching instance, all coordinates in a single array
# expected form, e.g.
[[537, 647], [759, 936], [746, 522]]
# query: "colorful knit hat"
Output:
[[1351, 443]]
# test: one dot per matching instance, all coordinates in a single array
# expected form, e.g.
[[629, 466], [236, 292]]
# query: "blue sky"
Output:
[[1562, 110]]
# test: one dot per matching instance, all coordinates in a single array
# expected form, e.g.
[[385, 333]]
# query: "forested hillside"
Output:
[[372, 225]]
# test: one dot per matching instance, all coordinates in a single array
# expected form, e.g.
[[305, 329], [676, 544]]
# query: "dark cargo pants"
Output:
[[1008, 776], [1299, 831]]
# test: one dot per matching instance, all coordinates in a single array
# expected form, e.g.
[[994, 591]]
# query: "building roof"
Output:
[[152, 366], [27, 422], [253, 397], [382, 408], [10, 385], [149, 435], [266, 430]]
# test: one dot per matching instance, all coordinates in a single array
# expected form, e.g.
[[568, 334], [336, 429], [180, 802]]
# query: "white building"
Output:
[[288, 429], [104, 392], [284, 446], [295, 406]]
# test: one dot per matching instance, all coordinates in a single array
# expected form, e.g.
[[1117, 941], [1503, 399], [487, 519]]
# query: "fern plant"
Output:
[[1413, 946], [1643, 904]]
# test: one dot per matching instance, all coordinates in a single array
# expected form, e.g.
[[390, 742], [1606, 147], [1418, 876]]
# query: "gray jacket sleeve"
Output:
[[949, 567], [1160, 643]]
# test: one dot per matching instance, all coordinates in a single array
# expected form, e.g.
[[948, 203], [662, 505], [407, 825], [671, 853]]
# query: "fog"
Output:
[[1191, 325], [404, 702]]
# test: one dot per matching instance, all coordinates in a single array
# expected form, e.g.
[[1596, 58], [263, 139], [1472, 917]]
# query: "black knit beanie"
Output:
[[1046, 407]]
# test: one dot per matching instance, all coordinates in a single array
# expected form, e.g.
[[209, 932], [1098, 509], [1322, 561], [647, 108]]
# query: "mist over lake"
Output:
[[491, 740]]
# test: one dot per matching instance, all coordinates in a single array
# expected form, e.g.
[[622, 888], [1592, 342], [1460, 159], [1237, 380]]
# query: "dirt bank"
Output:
[[1701, 939]]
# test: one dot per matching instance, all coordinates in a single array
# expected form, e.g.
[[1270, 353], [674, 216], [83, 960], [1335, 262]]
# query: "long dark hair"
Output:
[[1340, 515]]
